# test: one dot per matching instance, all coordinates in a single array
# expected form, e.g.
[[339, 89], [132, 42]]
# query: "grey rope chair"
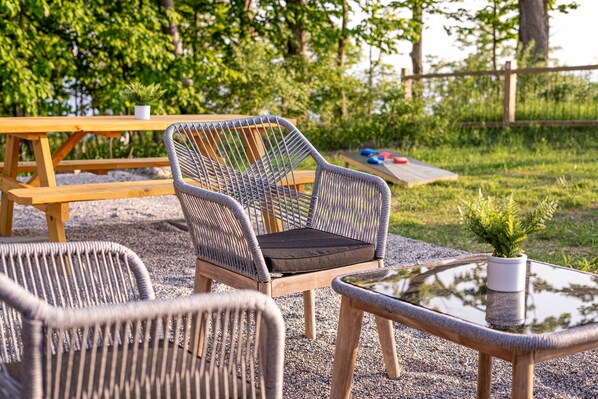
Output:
[[80, 320], [250, 225]]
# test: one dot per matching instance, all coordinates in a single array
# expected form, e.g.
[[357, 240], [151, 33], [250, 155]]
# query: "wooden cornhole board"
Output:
[[412, 174]]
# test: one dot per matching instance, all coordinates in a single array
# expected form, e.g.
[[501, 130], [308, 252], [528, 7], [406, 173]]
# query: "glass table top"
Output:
[[555, 299]]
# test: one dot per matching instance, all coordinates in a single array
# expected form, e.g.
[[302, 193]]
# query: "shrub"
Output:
[[141, 94], [498, 222]]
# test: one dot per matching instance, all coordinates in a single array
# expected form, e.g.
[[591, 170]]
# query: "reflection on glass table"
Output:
[[555, 298]]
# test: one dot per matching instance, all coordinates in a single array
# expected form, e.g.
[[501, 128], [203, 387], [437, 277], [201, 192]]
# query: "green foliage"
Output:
[[581, 263], [490, 30], [140, 94], [499, 223]]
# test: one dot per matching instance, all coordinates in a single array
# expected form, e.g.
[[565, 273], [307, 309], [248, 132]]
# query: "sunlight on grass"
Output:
[[569, 175]]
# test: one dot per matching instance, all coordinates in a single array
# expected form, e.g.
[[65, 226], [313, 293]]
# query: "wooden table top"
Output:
[[46, 124]]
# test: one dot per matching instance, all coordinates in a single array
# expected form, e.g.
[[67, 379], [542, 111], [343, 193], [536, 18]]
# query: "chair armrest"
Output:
[[77, 273], [152, 343], [221, 231], [353, 204]]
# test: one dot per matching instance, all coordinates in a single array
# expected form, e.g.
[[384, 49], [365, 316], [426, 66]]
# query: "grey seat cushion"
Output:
[[307, 250]]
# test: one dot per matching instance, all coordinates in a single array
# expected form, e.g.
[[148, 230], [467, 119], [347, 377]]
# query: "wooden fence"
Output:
[[558, 96]]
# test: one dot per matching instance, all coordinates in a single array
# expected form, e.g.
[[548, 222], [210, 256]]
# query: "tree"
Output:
[[172, 30], [491, 30], [534, 25], [416, 25], [417, 52], [381, 31], [342, 50]]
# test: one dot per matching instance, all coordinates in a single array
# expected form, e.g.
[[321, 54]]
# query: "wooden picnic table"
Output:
[[41, 190]]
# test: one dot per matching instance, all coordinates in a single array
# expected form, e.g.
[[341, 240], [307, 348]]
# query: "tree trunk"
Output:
[[494, 35], [417, 58], [172, 30], [297, 40], [342, 47], [247, 19], [534, 27]]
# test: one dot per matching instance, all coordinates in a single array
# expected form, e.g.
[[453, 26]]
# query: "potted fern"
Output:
[[499, 222], [142, 96]]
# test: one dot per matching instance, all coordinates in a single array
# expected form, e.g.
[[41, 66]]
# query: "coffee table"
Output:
[[556, 316]]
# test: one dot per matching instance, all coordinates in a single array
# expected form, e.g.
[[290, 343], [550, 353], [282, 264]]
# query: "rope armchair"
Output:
[[80, 320], [251, 225]]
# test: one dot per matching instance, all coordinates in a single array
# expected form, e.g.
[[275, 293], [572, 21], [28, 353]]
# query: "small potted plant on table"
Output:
[[499, 223], [142, 96]]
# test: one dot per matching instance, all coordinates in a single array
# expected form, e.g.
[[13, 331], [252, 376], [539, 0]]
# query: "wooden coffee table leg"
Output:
[[389, 350], [523, 376], [484, 376], [347, 344]]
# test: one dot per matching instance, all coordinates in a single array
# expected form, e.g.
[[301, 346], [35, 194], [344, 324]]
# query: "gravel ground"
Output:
[[431, 367]]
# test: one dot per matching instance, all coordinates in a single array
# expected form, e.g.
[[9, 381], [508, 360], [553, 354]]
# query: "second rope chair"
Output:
[[79, 320], [251, 225]]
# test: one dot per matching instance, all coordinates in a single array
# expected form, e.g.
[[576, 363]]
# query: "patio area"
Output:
[[431, 367]]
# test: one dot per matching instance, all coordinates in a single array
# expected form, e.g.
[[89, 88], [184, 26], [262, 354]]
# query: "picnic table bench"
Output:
[[41, 190]]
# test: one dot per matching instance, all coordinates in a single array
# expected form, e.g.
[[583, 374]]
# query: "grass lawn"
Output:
[[567, 173]]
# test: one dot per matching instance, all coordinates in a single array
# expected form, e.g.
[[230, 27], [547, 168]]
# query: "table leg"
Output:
[[347, 344], [389, 350], [484, 376], [59, 154], [11, 159], [56, 214], [523, 376]]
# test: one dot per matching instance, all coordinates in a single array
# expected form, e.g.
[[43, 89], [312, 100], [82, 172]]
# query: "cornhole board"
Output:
[[412, 174]]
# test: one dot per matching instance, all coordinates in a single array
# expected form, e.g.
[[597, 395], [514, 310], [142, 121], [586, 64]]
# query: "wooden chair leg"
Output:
[[309, 314], [266, 289], [202, 285], [389, 349], [347, 344]]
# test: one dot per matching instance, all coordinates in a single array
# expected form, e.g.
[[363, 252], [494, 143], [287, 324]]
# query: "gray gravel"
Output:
[[432, 368]]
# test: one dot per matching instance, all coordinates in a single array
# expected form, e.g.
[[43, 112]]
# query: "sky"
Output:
[[575, 35]]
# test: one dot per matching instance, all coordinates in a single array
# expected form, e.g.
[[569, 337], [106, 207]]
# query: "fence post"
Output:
[[510, 93], [406, 80]]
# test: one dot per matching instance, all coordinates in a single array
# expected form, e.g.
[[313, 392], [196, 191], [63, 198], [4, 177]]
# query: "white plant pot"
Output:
[[507, 274], [142, 112]]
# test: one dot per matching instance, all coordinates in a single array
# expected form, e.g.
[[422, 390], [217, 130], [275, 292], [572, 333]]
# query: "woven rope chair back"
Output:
[[69, 275], [157, 357], [75, 324], [251, 160]]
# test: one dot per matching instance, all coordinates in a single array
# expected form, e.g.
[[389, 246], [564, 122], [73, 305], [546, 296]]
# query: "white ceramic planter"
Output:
[[507, 274], [142, 112]]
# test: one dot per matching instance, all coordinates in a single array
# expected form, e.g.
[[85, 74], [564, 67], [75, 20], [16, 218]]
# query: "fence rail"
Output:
[[557, 96]]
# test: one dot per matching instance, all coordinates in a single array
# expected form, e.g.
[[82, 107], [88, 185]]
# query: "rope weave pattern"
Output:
[[105, 347], [74, 275], [218, 236], [151, 363], [351, 207], [226, 157]]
